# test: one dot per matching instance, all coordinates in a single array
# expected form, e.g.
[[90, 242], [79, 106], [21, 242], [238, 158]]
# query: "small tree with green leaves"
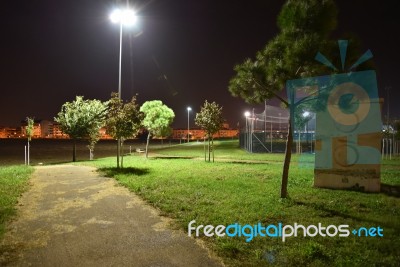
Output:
[[210, 120], [94, 129], [157, 119], [80, 119], [29, 133], [123, 121]]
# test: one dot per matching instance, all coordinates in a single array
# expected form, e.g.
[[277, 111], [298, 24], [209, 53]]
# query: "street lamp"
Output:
[[125, 17], [246, 114], [188, 110]]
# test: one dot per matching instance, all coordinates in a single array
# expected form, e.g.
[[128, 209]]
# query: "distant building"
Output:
[[46, 128], [57, 133], [10, 132], [198, 134], [51, 129], [103, 133], [3, 132]]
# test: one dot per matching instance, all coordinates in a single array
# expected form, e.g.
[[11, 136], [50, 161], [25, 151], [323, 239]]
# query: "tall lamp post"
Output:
[[188, 136], [246, 140], [125, 17]]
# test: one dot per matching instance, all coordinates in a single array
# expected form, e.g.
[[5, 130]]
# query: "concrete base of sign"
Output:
[[361, 179]]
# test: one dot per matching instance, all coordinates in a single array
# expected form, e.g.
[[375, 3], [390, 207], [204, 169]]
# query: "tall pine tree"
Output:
[[305, 27]]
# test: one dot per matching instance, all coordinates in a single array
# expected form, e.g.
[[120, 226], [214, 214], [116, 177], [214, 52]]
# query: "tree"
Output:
[[123, 121], [29, 133], [94, 129], [210, 120], [157, 119], [305, 27], [80, 119]]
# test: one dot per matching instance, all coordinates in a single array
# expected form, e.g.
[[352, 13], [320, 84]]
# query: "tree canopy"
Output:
[[29, 128], [210, 120], [80, 118], [304, 30], [123, 120], [157, 119]]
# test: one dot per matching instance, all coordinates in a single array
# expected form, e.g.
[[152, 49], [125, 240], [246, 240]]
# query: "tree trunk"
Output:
[[147, 145], [205, 152], [122, 153], [118, 151], [209, 151], [212, 147], [288, 155], [29, 154], [74, 151]]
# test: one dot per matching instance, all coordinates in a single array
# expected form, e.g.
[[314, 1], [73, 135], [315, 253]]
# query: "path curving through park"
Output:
[[71, 216]]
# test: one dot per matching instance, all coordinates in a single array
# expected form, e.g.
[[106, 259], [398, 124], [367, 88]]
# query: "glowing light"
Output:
[[126, 17], [247, 114]]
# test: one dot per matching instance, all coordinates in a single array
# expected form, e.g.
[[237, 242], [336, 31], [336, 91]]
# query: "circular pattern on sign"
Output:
[[351, 152], [358, 102]]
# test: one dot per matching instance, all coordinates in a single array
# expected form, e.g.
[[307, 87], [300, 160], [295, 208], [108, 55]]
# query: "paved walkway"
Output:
[[73, 217]]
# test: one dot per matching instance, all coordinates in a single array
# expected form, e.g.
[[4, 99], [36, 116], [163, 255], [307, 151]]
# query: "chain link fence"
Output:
[[266, 132]]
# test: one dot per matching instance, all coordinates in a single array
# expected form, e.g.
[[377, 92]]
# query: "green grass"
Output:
[[248, 192], [13, 182], [224, 150]]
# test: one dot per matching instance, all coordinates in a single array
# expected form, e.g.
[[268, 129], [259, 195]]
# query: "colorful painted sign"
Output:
[[348, 125]]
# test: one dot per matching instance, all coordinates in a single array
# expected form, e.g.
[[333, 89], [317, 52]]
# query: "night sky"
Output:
[[52, 51]]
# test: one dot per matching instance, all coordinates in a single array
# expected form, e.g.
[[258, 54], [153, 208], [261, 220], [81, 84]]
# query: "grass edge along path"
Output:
[[248, 193], [13, 182]]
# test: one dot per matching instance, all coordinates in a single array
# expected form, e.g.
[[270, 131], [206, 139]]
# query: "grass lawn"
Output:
[[223, 150], [13, 182], [230, 191]]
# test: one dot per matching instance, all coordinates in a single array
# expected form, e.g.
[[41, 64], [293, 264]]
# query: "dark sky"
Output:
[[55, 50]]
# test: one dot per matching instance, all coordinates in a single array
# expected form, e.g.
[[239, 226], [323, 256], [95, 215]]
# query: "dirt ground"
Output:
[[71, 216]]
